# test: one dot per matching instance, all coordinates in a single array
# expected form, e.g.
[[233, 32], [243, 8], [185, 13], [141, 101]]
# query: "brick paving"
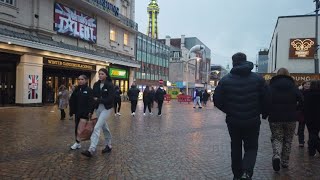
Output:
[[184, 143]]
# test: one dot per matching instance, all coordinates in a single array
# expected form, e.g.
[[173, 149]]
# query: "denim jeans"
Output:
[[197, 101], [103, 115]]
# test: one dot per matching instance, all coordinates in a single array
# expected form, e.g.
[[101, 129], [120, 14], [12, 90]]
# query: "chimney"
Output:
[[183, 37], [168, 41]]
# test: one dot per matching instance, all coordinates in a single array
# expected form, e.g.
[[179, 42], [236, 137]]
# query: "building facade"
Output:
[[293, 44], [217, 72], [45, 44], [198, 69], [153, 57], [263, 61]]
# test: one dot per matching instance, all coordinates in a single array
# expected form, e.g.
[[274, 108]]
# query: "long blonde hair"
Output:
[[283, 71]]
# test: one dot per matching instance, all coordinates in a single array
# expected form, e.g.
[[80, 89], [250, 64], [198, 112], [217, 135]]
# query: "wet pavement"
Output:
[[184, 143]]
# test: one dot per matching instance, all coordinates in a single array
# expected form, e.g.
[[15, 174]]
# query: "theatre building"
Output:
[[45, 44]]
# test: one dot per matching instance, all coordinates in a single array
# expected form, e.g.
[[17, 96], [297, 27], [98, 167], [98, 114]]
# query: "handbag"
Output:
[[85, 128]]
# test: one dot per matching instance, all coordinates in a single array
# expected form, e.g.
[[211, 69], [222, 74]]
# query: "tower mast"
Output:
[[153, 11]]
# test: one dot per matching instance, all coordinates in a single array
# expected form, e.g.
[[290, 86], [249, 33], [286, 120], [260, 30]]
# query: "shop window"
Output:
[[126, 39], [10, 2], [113, 34]]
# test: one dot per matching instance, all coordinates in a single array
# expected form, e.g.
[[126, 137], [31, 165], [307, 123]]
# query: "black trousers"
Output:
[[63, 114], [301, 128], [160, 103], [117, 106], [145, 105], [134, 105], [314, 140], [248, 136]]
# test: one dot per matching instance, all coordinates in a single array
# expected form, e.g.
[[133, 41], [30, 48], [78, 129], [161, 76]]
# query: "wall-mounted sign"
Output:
[[67, 64], [302, 48], [33, 81], [299, 78], [106, 6], [118, 73], [73, 23]]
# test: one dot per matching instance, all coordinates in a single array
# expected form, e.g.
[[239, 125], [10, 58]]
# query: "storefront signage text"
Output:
[[106, 6], [71, 22], [118, 73], [303, 48], [67, 64], [299, 78]]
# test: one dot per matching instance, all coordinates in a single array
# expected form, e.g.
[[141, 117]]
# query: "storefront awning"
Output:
[[36, 42]]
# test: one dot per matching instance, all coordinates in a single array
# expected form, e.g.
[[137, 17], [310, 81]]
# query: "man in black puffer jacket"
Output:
[[133, 94], [242, 96]]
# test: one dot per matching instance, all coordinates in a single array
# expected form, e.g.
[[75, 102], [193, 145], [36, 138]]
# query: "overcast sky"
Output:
[[225, 26]]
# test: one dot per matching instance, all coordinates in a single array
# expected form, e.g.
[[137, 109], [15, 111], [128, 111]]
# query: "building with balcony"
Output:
[[45, 44], [198, 75], [153, 57]]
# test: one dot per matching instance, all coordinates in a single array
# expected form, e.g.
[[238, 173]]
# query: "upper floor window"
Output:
[[126, 39], [113, 34], [10, 2], [124, 11]]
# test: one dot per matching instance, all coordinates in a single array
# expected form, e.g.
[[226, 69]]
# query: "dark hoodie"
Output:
[[105, 94], [133, 93], [311, 108], [242, 95], [284, 101]]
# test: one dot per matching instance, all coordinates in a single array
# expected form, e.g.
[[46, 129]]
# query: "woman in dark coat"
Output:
[[205, 97], [81, 104], [311, 110], [147, 100], [284, 101]]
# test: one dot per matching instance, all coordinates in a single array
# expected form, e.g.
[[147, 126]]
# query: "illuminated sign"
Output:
[[73, 23], [66, 64], [303, 48], [118, 73], [298, 77]]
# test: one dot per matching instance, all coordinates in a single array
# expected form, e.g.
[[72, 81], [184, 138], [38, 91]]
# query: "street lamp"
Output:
[[187, 78]]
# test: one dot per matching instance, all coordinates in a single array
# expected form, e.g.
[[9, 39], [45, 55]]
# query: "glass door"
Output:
[[7, 84]]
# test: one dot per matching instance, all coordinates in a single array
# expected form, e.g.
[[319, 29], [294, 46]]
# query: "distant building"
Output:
[[216, 73], [179, 48], [263, 61]]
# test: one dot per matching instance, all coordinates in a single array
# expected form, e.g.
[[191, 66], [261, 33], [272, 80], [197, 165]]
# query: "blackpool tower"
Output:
[[153, 11]]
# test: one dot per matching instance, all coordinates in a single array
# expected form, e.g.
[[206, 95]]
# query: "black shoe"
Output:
[[106, 149], [285, 166], [276, 164], [245, 176], [86, 153]]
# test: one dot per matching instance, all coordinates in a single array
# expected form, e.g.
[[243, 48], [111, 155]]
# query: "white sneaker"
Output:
[[144, 114], [119, 114], [160, 115], [76, 146], [151, 113], [115, 114], [134, 113]]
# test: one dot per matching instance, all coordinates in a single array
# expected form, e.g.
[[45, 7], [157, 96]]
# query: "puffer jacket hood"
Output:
[[243, 69]]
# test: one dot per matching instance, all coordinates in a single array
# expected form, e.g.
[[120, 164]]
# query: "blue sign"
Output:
[[106, 6]]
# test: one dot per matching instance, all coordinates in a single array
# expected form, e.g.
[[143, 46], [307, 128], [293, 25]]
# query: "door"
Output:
[[7, 84]]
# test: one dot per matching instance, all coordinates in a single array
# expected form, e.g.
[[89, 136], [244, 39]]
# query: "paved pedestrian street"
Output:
[[184, 143]]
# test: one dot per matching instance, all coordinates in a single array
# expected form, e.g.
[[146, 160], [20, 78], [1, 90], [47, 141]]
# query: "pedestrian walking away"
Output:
[[205, 97], [283, 114], [242, 95], [103, 93], [312, 115], [302, 122], [159, 96], [71, 90], [117, 101], [197, 98], [81, 104], [133, 94], [147, 100], [63, 100]]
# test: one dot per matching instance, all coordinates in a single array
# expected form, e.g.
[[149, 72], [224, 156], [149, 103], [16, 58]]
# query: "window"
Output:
[[10, 2], [124, 11], [126, 39], [112, 34]]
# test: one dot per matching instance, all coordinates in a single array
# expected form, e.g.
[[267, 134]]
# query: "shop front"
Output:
[[8, 64], [120, 77], [61, 72]]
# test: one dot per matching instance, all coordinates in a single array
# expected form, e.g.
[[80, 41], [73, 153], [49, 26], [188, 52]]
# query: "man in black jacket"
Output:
[[133, 94], [159, 96], [242, 96]]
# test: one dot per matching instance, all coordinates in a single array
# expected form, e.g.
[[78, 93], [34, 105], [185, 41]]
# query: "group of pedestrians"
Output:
[[244, 96], [200, 98]]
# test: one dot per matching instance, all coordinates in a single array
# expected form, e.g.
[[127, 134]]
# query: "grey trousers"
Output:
[[103, 115]]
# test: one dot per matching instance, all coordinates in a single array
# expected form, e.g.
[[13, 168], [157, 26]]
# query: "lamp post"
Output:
[[187, 78], [316, 58]]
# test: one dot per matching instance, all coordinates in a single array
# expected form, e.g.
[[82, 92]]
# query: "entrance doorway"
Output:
[[8, 64]]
